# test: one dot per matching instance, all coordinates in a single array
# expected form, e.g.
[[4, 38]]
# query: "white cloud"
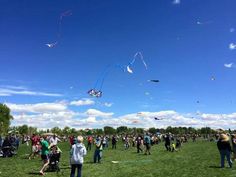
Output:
[[147, 93], [48, 115], [176, 1], [82, 102], [19, 90], [232, 46], [37, 108], [97, 113], [229, 65]]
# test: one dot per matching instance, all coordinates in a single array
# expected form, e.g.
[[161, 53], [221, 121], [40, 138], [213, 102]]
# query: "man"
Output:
[[90, 141], [139, 143], [224, 148], [167, 142], [34, 146], [54, 140], [147, 142], [98, 150], [113, 141]]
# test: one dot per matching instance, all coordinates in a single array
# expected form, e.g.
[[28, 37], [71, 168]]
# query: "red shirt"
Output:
[[34, 140]]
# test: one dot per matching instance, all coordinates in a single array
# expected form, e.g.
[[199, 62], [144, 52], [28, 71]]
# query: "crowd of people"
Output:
[[46, 146]]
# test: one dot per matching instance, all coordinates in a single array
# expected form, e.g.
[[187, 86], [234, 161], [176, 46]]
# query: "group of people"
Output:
[[47, 147]]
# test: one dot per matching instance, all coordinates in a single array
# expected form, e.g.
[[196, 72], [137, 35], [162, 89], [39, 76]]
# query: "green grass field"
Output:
[[200, 159]]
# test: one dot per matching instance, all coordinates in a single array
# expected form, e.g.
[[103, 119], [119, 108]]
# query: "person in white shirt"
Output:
[[78, 151], [54, 140]]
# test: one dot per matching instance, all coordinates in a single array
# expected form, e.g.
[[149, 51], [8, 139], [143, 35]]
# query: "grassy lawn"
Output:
[[200, 159]]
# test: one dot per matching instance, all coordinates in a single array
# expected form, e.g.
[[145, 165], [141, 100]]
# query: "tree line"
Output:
[[6, 117]]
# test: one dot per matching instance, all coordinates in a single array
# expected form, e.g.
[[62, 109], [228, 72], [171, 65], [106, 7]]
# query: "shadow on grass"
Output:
[[214, 166], [65, 168]]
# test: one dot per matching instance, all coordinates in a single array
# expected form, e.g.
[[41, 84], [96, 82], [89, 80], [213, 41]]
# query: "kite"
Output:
[[136, 55], [96, 91], [63, 14], [51, 45], [213, 78], [203, 23], [153, 80], [156, 118]]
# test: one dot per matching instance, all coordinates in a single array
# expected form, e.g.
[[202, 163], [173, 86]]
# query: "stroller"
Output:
[[54, 159], [7, 151]]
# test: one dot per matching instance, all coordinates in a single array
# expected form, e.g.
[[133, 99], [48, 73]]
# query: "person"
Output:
[[34, 142], [54, 140], [78, 151], [147, 142], [54, 158], [224, 148], [104, 142], [98, 150], [72, 140], [126, 142], [90, 141], [17, 142], [139, 143], [167, 139], [114, 141], [234, 146], [44, 154]]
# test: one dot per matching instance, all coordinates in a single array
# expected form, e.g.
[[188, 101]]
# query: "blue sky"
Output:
[[184, 43]]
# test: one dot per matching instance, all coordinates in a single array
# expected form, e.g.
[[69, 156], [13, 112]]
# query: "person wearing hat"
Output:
[[224, 147], [78, 151]]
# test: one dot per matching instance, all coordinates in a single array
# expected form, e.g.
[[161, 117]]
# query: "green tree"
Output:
[[56, 130], [66, 130], [5, 118], [152, 130], [109, 130], [122, 129], [23, 129], [140, 130]]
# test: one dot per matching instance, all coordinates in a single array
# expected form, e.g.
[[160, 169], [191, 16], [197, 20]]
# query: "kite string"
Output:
[[63, 14], [100, 81], [135, 57], [108, 71]]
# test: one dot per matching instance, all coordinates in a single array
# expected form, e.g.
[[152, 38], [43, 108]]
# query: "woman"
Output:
[[224, 147], [78, 151]]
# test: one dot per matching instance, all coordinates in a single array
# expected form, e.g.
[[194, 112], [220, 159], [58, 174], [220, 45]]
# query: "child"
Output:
[[173, 147], [78, 151]]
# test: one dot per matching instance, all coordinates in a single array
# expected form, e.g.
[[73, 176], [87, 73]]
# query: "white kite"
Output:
[[232, 46], [51, 45], [230, 65]]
